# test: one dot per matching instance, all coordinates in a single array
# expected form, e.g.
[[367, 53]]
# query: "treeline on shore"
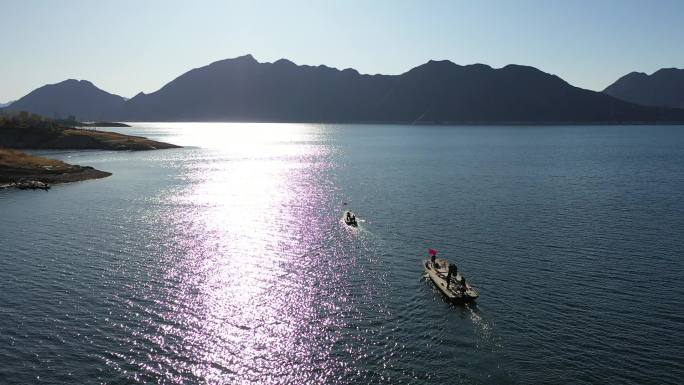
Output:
[[24, 128]]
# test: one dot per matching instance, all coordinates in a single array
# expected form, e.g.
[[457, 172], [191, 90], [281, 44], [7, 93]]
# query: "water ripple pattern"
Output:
[[227, 261]]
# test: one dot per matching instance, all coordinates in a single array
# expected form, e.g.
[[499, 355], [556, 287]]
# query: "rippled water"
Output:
[[226, 261]]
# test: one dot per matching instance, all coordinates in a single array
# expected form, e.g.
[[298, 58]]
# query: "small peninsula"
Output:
[[30, 131], [19, 168], [103, 124]]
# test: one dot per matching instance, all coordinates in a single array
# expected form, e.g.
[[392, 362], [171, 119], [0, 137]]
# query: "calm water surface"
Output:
[[226, 261]]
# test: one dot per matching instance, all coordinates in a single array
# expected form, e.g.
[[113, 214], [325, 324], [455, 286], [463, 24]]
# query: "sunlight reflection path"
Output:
[[248, 293]]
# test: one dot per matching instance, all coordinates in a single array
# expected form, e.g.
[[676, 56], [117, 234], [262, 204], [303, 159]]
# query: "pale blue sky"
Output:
[[129, 46]]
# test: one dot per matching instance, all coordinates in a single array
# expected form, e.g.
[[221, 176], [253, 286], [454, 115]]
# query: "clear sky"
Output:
[[125, 47]]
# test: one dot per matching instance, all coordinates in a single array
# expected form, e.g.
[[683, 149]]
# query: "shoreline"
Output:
[[430, 123], [25, 171], [87, 139], [24, 131]]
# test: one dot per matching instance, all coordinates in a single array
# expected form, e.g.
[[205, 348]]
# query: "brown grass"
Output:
[[113, 140], [17, 159], [101, 135]]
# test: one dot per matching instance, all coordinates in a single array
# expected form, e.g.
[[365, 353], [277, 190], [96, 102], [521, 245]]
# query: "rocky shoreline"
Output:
[[29, 131], [86, 139], [25, 171]]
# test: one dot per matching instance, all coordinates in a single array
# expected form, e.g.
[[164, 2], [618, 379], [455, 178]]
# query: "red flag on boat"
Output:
[[432, 251]]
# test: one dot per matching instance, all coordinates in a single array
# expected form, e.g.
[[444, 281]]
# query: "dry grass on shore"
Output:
[[95, 139], [17, 166], [17, 159]]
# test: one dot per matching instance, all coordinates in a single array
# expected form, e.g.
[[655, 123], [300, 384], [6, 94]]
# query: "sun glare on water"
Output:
[[243, 232]]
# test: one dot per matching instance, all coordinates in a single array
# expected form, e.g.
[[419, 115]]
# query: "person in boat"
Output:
[[448, 276], [463, 284], [451, 273], [350, 218]]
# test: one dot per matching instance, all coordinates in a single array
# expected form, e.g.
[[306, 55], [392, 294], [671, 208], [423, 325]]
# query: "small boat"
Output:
[[350, 219], [458, 290]]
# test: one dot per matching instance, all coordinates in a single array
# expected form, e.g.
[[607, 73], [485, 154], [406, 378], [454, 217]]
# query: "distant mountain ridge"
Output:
[[243, 89], [79, 98], [664, 87]]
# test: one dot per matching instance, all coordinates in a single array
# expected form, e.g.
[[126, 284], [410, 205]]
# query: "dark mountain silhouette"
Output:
[[243, 89], [441, 91], [79, 98], [664, 87]]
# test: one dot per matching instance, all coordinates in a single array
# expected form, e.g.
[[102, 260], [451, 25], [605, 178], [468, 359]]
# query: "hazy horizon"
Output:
[[126, 48]]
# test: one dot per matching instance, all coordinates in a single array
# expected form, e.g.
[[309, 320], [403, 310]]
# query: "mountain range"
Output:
[[664, 87], [243, 89]]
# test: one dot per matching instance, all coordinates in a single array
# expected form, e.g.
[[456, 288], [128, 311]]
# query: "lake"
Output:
[[227, 261]]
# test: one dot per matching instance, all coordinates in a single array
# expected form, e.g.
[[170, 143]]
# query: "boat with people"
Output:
[[448, 280], [350, 219]]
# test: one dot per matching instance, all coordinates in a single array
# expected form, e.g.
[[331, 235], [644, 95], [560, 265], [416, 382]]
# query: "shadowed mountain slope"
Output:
[[664, 87], [79, 98], [243, 89]]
